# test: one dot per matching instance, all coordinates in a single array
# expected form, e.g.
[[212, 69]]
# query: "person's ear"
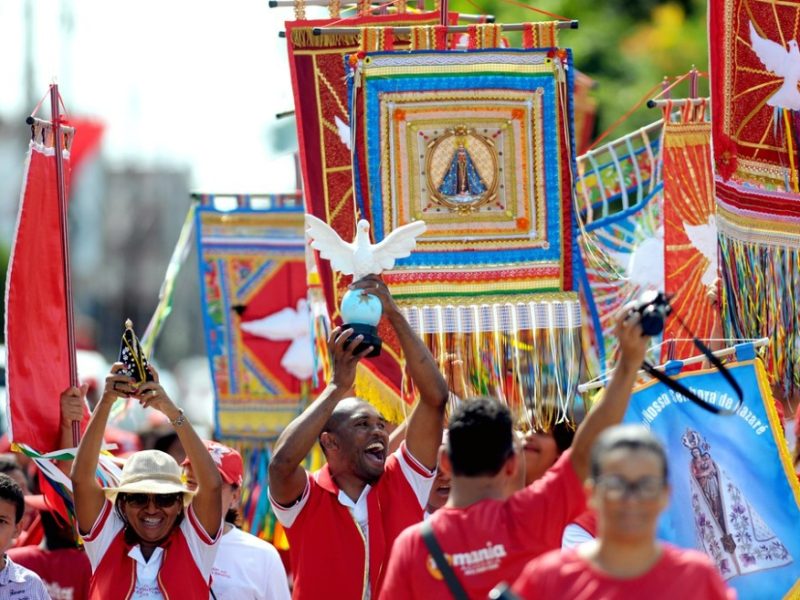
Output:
[[17, 529], [445, 466], [511, 465], [664, 499], [328, 441], [237, 496]]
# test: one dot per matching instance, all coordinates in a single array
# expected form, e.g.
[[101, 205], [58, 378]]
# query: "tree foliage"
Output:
[[626, 46]]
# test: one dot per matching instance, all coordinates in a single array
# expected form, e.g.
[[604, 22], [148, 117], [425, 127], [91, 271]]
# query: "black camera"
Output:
[[653, 307]]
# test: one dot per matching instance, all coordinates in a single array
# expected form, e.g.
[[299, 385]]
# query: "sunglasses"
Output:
[[160, 500]]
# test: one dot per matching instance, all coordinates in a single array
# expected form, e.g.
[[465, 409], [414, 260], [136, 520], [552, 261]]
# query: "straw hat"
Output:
[[150, 472]]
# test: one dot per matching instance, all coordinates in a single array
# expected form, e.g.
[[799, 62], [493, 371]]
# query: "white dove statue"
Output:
[[782, 62], [360, 257], [704, 238], [284, 325]]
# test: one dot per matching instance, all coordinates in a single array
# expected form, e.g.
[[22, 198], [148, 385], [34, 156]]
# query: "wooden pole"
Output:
[[55, 115]]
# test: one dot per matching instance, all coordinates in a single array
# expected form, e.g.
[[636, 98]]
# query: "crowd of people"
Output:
[[467, 508]]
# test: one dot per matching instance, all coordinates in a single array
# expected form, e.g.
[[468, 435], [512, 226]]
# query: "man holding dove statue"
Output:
[[342, 520]]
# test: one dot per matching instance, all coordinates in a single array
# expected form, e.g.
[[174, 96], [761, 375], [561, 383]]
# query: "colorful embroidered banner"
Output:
[[755, 105], [618, 205], [323, 125], [754, 91], [619, 174], [735, 495], [690, 232], [478, 145], [760, 264], [253, 274], [475, 144], [36, 316]]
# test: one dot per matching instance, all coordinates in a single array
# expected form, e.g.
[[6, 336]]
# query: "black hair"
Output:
[[10, 491], [563, 434], [57, 534], [628, 437], [480, 437], [233, 515], [9, 464]]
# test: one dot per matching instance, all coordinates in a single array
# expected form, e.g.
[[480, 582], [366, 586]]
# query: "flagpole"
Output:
[[55, 112]]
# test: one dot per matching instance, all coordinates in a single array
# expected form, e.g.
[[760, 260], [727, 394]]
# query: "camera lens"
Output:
[[652, 320]]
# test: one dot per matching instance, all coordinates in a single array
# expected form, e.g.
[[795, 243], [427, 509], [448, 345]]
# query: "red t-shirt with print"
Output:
[[677, 574], [490, 541]]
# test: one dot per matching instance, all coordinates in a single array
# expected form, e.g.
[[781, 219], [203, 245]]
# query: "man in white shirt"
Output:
[[246, 567]]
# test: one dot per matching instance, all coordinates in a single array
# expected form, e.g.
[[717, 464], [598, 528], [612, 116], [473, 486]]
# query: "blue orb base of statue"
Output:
[[370, 333]]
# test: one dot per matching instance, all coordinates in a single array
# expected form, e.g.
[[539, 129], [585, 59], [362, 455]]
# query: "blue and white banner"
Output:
[[735, 495]]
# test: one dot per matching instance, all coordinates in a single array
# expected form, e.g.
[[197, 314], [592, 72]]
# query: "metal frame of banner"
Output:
[[468, 18], [605, 377], [450, 28]]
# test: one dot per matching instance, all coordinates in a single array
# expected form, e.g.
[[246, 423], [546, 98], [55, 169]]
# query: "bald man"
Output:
[[342, 520]]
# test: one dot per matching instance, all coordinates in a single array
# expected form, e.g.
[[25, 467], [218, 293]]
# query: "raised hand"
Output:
[[152, 395], [633, 342], [373, 284], [118, 385], [72, 403], [344, 358]]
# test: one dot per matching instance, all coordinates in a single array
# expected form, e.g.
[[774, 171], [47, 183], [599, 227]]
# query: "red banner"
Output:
[[36, 321], [690, 233]]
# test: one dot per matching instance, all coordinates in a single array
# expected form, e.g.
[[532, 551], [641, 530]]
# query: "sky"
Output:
[[179, 83]]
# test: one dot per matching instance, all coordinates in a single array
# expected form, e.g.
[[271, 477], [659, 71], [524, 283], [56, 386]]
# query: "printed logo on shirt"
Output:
[[472, 562], [59, 593]]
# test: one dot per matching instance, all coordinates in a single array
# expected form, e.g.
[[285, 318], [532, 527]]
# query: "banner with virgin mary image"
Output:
[[735, 495]]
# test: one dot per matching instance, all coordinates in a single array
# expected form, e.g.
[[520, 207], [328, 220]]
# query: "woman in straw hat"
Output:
[[150, 537]]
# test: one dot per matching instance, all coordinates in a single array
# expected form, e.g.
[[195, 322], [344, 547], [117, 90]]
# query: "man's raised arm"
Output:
[[287, 478], [610, 410], [424, 432]]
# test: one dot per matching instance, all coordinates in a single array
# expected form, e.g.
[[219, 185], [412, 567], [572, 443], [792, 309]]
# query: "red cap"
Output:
[[229, 462]]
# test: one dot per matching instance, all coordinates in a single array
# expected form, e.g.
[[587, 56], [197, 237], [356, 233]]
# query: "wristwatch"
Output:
[[179, 420]]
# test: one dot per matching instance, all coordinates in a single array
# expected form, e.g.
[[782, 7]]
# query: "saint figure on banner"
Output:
[[729, 529]]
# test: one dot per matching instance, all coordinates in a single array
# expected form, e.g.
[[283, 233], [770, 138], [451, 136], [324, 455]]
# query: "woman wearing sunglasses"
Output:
[[150, 537]]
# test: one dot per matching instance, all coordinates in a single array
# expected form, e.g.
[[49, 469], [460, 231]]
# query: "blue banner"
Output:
[[735, 495]]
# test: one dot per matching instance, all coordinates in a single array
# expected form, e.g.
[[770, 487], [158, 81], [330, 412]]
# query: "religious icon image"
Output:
[[462, 169], [729, 529]]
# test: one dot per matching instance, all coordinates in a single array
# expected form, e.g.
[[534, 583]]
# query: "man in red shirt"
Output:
[[628, 489], [342, 520], [487, 535]]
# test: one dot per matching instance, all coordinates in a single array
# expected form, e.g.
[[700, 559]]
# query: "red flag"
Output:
[[36, 320], [88, 135]]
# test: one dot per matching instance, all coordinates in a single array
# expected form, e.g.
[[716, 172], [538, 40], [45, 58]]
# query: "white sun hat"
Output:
[[150, 472]]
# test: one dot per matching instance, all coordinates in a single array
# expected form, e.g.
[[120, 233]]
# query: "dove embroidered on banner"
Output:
[[286, 325], [704, 238], [360, 257], [782, 62]]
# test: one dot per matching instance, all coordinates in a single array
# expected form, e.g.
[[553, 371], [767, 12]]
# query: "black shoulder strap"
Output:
[[455, 587]]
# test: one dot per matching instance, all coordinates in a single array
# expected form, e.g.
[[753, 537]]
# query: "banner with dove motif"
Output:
[[735, 495], [690, 231], [755, 66], [256, 318]]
